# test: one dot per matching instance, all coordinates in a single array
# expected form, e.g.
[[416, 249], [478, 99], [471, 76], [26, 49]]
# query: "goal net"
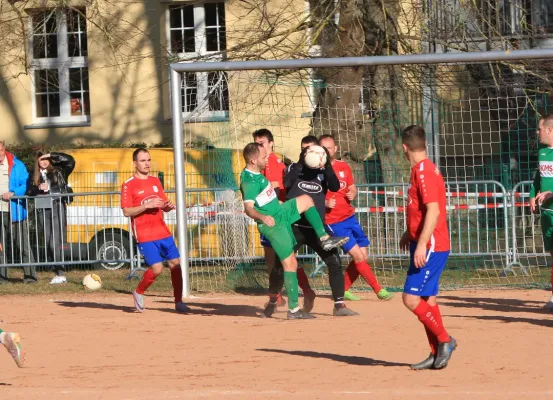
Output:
[[481, 122]]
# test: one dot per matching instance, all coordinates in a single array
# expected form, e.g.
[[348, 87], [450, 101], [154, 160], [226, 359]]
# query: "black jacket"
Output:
[[299, 180], [63, 165]]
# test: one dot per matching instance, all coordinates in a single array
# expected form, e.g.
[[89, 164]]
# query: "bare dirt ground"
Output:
[[94, 346]]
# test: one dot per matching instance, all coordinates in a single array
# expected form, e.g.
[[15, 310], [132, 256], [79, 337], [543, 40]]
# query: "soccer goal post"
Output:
[[480, 113]]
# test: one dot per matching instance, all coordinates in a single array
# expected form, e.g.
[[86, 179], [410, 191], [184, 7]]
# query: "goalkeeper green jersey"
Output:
[[543, 180], [257, 189]]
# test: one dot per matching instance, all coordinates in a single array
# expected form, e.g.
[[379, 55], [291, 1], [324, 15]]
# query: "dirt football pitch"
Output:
[[94, 346]]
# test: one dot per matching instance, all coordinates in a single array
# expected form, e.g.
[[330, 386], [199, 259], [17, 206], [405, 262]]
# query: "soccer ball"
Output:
[[92, 282], [315, 156]]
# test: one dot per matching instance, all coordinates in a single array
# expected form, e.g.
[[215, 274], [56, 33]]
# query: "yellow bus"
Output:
[[97, 229]]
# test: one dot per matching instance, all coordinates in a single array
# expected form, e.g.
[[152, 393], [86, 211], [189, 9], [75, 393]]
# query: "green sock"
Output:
[[291, 285], [313, 217]]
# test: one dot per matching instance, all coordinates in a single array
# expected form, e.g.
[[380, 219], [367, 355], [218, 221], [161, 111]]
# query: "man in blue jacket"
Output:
[[14, 231]]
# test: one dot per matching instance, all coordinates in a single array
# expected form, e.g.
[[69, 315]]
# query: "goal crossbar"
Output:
[[431, 58]]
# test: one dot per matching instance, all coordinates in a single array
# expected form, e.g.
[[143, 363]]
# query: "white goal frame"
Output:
[[176, 106]]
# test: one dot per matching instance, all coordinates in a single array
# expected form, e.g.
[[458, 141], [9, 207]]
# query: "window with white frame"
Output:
[[198, 31], [59, 66]]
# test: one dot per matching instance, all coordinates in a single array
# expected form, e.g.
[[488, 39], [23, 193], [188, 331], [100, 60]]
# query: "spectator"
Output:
[[13, 182], [50, 177]]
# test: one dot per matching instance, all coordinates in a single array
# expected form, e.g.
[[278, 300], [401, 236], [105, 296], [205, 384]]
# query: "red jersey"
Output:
[[274, 172], [343, 208], [427, 186], [149, 225]]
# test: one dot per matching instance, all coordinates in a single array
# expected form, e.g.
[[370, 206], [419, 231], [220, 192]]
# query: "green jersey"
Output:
[[544, 176], [257, 189]]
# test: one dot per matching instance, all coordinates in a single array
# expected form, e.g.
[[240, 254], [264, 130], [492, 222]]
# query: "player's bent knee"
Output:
[[357, 254], [157, 268], [410, 301], [304, 202], [174, 263], [290, 263]]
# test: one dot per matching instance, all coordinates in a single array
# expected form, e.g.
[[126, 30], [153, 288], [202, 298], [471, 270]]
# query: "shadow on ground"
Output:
[[490, 304], [352, 360]]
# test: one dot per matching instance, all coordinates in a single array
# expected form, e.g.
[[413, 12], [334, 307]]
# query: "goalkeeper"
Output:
[[274, 220], [542, 189], [300, 181]]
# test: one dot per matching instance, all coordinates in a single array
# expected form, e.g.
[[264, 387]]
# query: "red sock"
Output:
[[431, 319], [147, 279], [176, 280], [437, 313], [350, 276], [303, 282], [432, 340], [366, 272]]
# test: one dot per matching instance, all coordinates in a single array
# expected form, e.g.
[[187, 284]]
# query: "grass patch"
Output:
[[112, 281], [253, 279]]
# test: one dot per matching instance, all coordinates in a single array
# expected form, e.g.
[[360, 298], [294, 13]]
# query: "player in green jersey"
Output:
[[542, 190], [274, 220]]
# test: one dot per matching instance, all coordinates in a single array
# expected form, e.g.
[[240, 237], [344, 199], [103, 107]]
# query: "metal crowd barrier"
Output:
[[484, 220], [527, 240], [477, 219]]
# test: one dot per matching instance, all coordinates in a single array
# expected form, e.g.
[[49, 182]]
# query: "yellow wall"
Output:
[[128, 77]]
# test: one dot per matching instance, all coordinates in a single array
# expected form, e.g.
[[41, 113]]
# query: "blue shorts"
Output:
[[158, 251], [264, 241], [349, 228], [425, 281]]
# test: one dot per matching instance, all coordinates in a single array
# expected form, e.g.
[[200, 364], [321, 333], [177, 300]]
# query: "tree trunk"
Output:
[[363, 128]]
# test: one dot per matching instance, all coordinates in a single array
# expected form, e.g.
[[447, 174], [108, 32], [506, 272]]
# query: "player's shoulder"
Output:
[[248, 176], [427, 170], [275, 158], [545, 152], [129, 183], [425, 166], [342, 165]]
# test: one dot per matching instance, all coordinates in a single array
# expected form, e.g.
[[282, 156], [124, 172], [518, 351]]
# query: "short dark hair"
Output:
[[309, 139], [251, 150], [137, 152], [414, 138], [547, 120], [327, 137], [263, 132]]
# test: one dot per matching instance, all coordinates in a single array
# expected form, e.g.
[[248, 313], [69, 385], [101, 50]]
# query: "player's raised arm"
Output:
[[331, 179], [292, 173]]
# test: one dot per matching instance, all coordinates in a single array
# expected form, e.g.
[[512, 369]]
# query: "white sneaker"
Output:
[[13, 345], [58, 279], [549, 306]]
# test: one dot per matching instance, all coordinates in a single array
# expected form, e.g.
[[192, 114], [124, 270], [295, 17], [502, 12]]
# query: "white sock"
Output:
[[2, 337]]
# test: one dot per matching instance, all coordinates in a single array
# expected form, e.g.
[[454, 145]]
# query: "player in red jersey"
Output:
[[427, 238], [341, 221], [143, 199], [274, 172]]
